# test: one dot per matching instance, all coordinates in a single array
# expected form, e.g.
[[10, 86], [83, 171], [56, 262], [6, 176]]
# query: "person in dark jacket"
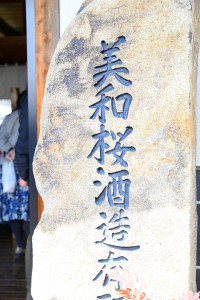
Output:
[[14, 207], [22, 162], [22, 145]]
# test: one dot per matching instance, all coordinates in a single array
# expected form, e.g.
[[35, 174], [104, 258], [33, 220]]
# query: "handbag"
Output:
[[9, 179]]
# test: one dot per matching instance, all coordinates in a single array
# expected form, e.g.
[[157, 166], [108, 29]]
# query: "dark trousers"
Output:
[[21, 230]]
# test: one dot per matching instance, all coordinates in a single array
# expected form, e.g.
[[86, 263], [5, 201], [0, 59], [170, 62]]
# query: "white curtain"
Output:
[[198, 115], [5, 109], [12, 76]]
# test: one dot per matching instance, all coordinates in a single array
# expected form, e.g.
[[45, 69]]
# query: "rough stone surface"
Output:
[[160, 53]]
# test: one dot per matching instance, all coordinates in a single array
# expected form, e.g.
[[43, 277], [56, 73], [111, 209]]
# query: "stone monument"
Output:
[[115, 160]]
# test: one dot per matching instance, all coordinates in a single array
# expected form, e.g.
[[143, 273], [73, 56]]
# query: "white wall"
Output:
[[68, 10], [5, 109], [198, 115], [12, 76]]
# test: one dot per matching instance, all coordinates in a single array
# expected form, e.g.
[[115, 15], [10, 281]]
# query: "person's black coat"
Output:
[[22, 146]]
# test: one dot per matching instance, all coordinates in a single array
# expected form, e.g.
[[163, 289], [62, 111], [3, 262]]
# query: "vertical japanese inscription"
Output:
[[114, 230]]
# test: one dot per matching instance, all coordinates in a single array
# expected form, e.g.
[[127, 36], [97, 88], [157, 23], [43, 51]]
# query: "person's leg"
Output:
[[16, 227], [26, 228]]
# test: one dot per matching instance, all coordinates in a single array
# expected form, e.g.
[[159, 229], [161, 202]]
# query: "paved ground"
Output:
[[12, 272]]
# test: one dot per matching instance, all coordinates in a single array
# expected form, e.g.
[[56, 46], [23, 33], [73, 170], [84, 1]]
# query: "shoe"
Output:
[[29, 297], [19, 250]]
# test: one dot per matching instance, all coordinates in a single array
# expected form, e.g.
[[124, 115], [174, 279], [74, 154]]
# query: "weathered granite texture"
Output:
[[160, 53]]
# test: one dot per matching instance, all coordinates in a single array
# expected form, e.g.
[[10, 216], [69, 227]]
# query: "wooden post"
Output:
[[47, 36]]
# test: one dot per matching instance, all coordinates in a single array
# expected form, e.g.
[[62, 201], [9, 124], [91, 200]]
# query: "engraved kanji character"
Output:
[[101, 108], [115, 231], [117, 190], [109, 263], [109, 68]]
